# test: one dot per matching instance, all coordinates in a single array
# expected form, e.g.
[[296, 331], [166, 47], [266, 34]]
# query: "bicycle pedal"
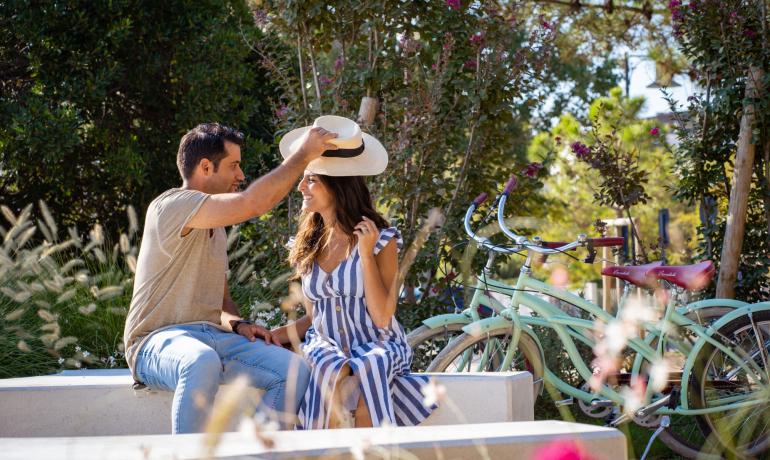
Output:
[[564, 402], [601, 403]]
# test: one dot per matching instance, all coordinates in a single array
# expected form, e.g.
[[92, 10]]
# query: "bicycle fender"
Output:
[[450, 318], [718, 324], [707, 303], [487, 324]]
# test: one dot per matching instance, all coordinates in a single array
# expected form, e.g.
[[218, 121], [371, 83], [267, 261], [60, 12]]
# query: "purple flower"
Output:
[[749, 33], [470, 64], [581, 151], [454, 4], [324, 80], [654, 131], [281, 111], [339, 63], [674, 4], [532, 169], [677, 15], [546, 25], [260, 17], [558, 140]]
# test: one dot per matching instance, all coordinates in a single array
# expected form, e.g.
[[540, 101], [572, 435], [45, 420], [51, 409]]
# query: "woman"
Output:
[[346, 255]]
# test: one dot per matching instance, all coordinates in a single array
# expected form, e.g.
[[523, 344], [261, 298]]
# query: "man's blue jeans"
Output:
[[193, 359]]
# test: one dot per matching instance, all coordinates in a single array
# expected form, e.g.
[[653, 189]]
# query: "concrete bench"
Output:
[[102, 403], [507, 440]]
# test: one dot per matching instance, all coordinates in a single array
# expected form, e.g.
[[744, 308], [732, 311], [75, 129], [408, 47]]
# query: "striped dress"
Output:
[[343, 333]]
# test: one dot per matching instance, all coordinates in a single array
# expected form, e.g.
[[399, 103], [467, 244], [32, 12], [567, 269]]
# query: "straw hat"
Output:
[[359, 154]]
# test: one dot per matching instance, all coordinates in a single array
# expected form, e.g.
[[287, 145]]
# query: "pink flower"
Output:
[[470, 64], [454, 4], [654, 131], [565, 449], [749, 33], [339, 63], [477, 39]]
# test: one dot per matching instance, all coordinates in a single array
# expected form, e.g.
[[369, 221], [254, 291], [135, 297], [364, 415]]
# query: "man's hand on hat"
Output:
[[316, 143], [253, 332]]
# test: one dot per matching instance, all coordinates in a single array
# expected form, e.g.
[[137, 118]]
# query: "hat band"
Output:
[[344, 153]]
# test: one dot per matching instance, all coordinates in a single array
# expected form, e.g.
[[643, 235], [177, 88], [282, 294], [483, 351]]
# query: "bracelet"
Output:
[[237, 322]]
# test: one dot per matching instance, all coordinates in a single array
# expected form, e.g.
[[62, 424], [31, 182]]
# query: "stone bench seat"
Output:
[[506, 440], [102, 403]]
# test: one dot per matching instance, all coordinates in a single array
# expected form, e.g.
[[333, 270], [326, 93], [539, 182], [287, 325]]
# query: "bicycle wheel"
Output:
[[718, 379], [684, 435], [486, 352], [427, 343]]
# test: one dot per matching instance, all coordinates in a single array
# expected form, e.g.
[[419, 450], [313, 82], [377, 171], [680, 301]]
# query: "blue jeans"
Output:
[[193, 359]]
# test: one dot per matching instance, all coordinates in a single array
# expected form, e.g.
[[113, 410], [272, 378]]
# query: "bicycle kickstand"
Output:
[[665, 421]]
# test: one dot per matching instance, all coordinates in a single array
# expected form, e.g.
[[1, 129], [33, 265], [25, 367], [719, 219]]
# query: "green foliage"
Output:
[[723, 40], [96, 95], [573, 188]]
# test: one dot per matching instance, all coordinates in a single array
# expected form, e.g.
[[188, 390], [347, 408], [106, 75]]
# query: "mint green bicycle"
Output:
[[723, 383]]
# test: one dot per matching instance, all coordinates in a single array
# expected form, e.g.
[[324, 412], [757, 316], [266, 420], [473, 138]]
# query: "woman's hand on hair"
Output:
[[368, 234]]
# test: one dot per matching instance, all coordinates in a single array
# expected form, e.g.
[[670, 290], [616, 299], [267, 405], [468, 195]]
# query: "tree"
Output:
[[96, 95], [720, 129]]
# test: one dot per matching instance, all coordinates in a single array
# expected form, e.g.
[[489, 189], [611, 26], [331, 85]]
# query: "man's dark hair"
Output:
[[207, 140]]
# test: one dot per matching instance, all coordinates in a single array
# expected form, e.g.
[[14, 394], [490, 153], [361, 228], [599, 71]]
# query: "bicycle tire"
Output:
[[427, 342], [684, 436], [711, 377], [532, 355]]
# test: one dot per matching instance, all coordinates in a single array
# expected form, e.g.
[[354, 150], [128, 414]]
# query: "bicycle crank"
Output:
[[596, 408]]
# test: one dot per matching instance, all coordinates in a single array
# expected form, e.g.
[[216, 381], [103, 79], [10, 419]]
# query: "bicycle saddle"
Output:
[[691, 277], [638, 275]]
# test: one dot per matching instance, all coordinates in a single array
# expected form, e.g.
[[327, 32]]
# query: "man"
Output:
[[183, 331]]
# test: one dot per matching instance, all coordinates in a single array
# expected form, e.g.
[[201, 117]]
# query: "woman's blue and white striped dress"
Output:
[[344, 333]]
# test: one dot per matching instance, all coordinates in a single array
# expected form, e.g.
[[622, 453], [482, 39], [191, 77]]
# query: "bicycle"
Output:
[[722, 383]]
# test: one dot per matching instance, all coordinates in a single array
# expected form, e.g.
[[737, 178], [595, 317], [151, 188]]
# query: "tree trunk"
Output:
[[739, 193]]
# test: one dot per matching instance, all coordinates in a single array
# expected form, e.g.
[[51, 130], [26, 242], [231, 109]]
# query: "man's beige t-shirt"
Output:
[[179, 280]]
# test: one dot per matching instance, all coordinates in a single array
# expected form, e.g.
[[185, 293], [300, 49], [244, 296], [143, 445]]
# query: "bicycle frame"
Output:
[[569, 328]]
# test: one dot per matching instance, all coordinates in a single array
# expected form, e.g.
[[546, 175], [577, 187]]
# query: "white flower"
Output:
[[86, 354], [659, 375], [265, 282], [615, 337], [77, 349], [61, 361], [632, 400], [433, 393], [358, 450]]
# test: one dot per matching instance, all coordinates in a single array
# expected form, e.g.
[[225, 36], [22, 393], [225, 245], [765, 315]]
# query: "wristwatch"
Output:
[[237, 322]]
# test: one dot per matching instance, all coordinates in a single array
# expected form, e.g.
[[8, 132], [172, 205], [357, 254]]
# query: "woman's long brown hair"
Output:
[[352, 201]]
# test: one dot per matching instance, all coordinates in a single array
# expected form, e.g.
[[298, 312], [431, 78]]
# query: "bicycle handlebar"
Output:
[[521, 243], [480, 199]]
